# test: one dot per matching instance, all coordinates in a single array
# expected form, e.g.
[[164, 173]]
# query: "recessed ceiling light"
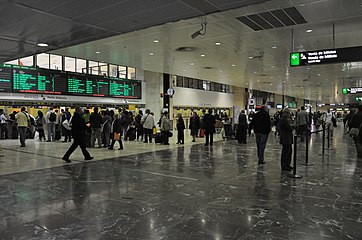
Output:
[[192, 64], [255, 72], [42, 45], [247, 83], [151, 53], [272, 66], [98, 52], [309, 31], [217, 43], [319, 74], [274, 46], [284, 81], [202, 55], [250, 57], [156, 41], [233, 65]]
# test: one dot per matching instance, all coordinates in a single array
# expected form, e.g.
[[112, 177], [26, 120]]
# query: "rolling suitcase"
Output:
[[158, 138]]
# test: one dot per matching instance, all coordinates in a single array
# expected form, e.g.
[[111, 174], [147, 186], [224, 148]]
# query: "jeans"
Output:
[[165, 136], [180, 136], [96, 134], [261, 140], [286, 157], [22, 134], [148, 133], [51, 131], [209, 138], [3, 131]]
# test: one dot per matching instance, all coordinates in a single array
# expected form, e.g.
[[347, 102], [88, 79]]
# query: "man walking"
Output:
[[23, 121], [286, 139], [262, 126], [78, 133]]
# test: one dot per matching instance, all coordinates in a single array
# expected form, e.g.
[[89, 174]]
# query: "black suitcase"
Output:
[[158, 138], [131, 134]]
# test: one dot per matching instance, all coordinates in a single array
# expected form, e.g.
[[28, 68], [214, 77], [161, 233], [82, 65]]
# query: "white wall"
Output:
[[200, 98], [154, 86]]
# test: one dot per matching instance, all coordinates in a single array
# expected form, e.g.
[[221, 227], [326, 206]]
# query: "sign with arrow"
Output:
[[326, 56], [353, 90]]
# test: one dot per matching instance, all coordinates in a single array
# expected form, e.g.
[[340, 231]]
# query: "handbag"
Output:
[[170, 134], [117, 136], [354, 132]]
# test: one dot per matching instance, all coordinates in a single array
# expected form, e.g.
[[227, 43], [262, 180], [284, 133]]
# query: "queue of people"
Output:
[[107, 127]]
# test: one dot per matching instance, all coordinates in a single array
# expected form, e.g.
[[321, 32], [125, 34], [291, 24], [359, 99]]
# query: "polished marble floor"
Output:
[[152, 191]]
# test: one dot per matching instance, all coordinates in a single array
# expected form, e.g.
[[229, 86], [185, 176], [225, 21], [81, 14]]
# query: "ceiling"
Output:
[[230, 62], [24, 23]]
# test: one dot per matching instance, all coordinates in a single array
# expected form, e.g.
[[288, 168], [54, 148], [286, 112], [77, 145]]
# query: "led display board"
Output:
[[20, 79], [123, 88], [327, 56], [31, 80], [87, 85], [5, 79]]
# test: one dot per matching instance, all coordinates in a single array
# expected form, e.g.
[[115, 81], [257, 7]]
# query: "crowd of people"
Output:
[[104, 128]]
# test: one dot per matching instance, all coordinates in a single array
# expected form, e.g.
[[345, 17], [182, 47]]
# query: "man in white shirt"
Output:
[[148, 122], [3, 125], [329, 124]]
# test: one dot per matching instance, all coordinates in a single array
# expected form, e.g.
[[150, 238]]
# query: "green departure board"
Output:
[[88, 85], [125, 88], [5, 79], [30, 80]]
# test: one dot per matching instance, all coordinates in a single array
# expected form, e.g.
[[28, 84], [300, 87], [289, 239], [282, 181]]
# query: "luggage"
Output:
[[131, 134], [158, 138], [202, 133]]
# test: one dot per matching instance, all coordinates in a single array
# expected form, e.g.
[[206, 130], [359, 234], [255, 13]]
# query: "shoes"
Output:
[[286, 169], [177, 143], [145, 142], [22, 145], [120, 148], [166, 144], [66, 160], [48, 141], [150, 142], [291, 168], [206, 144], [64, 141], [193, 141], [110, 148], [87, 159], [261, 162]]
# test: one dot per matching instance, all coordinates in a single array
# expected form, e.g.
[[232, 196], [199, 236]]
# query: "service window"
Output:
[[81, 65], [26, 61], [56, 62], [179, 81], [69, 64], [131, 73], [122, 72]]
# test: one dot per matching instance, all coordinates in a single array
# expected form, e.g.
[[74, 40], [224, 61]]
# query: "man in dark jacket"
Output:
[[286, 139], [78, 133], [356, 122], [242, 127], [262, 126], [95, 120], [209, 126]]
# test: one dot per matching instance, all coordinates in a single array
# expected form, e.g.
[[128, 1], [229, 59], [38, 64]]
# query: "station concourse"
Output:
[[172, 60]]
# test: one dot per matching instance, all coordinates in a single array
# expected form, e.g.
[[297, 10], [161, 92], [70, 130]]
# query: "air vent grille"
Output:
[[273, 19]]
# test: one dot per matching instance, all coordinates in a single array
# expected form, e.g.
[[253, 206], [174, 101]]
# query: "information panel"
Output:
[[352, 90], [31, 80], [123, 88], [5, 79], [328, 56], [86, 85]]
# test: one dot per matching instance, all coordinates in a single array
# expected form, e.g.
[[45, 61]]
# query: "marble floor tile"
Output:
[[184, 192]]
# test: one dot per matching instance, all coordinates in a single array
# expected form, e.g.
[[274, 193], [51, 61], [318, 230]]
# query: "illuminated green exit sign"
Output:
[[358, 99], [294, 59], [344, 91]]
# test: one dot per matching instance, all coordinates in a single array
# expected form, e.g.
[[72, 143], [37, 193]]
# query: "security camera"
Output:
[[195, 34]]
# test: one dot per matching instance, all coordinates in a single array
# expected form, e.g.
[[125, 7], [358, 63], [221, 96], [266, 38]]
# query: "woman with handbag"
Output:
[[116, 132]]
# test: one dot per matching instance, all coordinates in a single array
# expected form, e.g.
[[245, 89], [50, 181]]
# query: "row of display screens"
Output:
[[18, 79]]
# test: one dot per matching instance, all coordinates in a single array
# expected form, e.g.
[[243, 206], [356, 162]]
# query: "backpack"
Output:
[[52, 117]]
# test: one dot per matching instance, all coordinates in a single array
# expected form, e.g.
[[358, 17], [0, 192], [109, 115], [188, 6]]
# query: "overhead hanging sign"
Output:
[[327, 56], [352, 90]]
